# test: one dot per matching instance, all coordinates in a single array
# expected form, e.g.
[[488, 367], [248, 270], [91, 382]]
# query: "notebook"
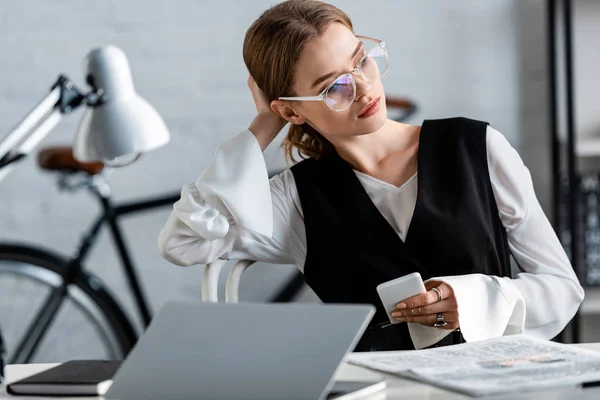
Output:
[[72, 378]]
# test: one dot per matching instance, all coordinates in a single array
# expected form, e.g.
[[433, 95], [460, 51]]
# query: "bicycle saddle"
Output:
[[61, 159]]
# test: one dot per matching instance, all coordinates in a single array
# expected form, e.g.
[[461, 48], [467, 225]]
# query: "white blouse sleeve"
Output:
[[234, 211], [544, 295]]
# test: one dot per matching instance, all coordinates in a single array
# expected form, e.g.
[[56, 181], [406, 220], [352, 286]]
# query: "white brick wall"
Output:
[[464, 57]]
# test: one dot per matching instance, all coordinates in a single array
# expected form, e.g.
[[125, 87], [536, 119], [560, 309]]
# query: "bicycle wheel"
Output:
[[88, 324]]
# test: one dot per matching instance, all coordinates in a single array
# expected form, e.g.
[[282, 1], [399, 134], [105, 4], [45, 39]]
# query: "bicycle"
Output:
[[57, 283]]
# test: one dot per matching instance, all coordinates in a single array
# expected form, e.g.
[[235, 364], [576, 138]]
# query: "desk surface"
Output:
[[397, 388]]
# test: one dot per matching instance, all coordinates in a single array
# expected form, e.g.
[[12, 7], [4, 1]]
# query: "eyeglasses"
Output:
[[340, 94]]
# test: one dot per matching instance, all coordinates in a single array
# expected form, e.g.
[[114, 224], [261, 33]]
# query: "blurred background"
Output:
[[481, 59]]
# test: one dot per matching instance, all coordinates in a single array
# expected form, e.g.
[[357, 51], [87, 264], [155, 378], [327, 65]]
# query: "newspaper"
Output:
[[501, 365]]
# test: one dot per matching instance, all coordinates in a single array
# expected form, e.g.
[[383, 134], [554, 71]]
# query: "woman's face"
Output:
[[337, 51]]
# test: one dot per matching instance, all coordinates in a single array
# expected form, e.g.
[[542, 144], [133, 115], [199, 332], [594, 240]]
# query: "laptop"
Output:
[[244, 351]]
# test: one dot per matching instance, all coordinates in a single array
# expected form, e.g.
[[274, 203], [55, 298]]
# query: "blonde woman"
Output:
[[374, 199]]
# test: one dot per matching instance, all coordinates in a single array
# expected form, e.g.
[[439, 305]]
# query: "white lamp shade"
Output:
[[118, 129], [124, 124]]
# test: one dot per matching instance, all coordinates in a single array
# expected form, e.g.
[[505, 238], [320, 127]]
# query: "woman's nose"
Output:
[[362, 86]]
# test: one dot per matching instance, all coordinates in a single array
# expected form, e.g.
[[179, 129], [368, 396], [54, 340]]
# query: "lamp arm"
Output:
[[63, 98]]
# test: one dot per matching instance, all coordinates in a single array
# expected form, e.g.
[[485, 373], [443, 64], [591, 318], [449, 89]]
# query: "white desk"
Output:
[[397, 388]]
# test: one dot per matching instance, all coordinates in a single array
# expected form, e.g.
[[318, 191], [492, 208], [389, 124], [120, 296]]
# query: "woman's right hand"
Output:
[[266, 125]]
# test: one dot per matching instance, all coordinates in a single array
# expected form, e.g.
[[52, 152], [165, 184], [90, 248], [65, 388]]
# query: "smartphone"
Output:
[[393, 292]]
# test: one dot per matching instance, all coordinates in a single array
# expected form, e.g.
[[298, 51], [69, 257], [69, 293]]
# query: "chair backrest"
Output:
[[210, 282]]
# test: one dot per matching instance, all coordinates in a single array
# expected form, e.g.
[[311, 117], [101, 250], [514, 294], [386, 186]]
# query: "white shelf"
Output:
[[591, 303], [587, 147]]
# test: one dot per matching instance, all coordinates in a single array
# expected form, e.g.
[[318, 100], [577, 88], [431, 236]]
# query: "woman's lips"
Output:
[[370, 108]]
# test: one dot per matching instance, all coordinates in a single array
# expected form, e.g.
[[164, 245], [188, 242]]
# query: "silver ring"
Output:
[[440, 322], [439, 293]]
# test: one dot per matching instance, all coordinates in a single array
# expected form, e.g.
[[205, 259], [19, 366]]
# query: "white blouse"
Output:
[[233, 211]]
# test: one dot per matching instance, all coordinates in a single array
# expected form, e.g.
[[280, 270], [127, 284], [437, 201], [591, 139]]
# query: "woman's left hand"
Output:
[[424, 308]]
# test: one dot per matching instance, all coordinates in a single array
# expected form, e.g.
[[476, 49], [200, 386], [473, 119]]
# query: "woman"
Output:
[[354, 214]]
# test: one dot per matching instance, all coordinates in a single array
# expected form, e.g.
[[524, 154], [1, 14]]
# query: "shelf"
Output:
[[588, 147], [591, 303], [584, 146]]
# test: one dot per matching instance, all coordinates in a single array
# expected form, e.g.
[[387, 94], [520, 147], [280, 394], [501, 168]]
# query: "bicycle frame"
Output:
[[110, 215]]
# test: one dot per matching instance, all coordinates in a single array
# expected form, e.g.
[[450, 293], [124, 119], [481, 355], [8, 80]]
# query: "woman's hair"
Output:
[[272, 47]]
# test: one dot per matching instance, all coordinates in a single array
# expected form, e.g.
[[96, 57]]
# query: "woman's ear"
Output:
[[285, 111]]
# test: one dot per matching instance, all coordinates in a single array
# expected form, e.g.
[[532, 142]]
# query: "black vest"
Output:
[[455, 228]]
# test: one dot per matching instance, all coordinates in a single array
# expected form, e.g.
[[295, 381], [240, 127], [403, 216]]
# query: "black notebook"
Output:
[[76, 378]]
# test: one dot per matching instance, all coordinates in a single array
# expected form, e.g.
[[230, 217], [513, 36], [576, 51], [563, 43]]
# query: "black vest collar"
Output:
[[363, 219]]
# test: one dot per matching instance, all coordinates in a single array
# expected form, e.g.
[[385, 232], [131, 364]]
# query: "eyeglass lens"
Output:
[[342, 93]]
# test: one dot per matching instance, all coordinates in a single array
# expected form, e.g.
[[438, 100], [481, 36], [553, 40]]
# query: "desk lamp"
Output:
[[117, 125]]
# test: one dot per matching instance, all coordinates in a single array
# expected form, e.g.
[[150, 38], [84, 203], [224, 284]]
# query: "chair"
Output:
[[232, 287], [210, 281]]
